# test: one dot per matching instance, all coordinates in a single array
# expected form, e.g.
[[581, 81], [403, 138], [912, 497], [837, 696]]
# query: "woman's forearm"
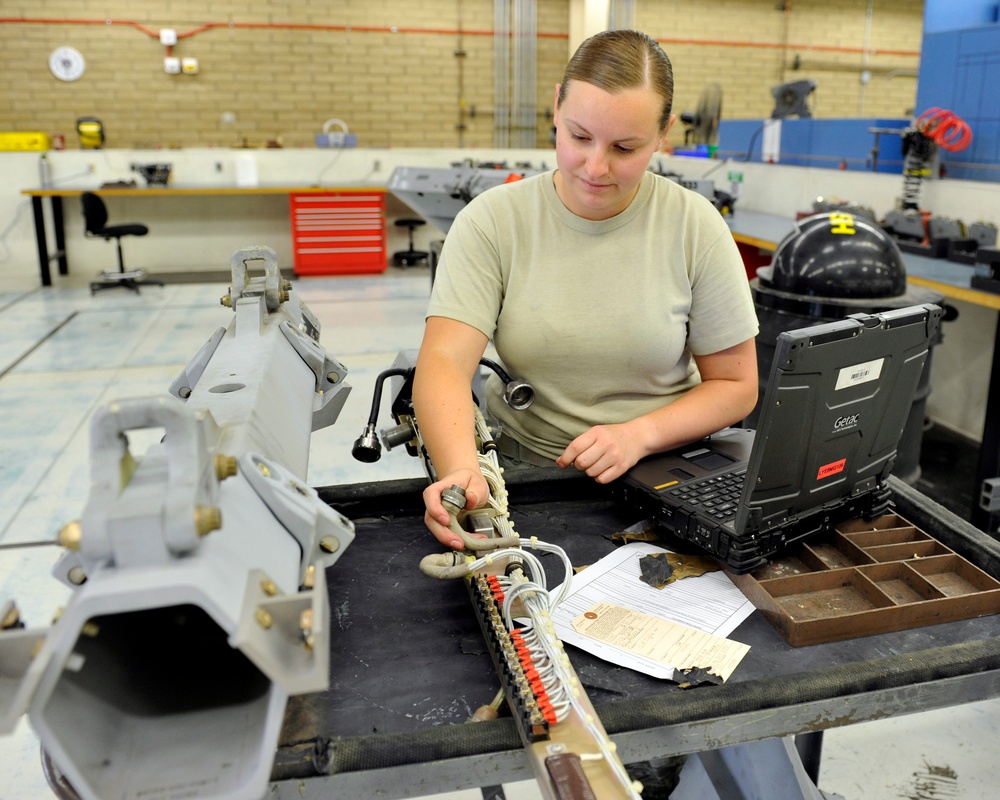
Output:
[[708, 407], [442, 401]]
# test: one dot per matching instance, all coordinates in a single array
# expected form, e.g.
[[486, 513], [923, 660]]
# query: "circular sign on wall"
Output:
[[67, 63]]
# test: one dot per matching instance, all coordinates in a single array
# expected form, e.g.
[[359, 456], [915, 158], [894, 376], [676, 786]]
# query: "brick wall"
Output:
[[283, 68]]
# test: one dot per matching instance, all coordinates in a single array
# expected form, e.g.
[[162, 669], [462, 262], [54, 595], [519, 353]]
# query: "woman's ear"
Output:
[[666, 131]]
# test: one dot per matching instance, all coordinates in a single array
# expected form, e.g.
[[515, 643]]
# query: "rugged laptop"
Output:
[[834, 409]]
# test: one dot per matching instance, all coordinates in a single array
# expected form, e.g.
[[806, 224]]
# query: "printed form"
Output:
[[653, 624]]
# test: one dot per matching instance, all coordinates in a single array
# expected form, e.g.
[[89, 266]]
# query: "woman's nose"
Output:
[[597, 163]]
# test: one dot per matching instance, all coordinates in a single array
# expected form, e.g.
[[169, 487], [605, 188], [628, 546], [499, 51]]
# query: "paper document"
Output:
[[709, 603], [667, 643]]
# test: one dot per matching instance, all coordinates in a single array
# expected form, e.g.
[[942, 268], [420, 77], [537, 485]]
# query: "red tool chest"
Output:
[[338, 232]]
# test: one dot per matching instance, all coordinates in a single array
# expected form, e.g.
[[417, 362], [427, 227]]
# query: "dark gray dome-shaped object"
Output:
[[836, 254]]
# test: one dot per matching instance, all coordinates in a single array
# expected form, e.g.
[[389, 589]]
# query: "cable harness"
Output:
[[508, 582]]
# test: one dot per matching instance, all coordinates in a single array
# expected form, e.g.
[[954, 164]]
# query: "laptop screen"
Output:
[[836, 404]]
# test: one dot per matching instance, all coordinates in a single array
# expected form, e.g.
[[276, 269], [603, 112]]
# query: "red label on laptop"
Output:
[[831, 469]]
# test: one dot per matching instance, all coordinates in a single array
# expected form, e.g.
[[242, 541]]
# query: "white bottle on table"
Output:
[[44, 171], [246, 170]]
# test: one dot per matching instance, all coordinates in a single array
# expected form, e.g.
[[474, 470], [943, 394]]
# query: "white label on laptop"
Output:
[[859, 373]]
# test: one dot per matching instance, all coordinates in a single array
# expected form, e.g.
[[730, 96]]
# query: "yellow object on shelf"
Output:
[[26, 140]]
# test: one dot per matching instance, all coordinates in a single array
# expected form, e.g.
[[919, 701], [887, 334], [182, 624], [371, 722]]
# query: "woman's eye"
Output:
[[626, 150]]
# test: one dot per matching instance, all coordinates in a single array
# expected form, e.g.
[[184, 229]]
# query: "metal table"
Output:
[[408, 664]]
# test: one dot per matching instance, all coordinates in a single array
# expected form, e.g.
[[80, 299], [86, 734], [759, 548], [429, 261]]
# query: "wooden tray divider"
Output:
[[885, 522], [835, 552], [886, 536], [900, 583], [955, 576]]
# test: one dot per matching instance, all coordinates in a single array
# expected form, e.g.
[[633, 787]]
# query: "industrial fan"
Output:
[[703, 124]]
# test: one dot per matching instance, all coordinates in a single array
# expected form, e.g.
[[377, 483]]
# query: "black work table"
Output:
[[408, 664]]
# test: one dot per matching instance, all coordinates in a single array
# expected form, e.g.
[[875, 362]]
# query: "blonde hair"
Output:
[[622, 59]]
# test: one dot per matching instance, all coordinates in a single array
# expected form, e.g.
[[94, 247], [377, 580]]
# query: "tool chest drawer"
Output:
[[338, 232]]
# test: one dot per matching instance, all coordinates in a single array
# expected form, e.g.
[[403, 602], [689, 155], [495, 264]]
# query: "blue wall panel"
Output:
[[936, 80], [960, 72], [949, 15], [831, 143]]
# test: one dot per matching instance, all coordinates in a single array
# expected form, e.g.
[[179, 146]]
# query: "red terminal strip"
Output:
[[494, 583], [534, 680], [547, 711], [510, 651]]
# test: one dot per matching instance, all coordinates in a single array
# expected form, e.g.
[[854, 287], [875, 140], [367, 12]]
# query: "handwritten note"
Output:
[[660, 640]]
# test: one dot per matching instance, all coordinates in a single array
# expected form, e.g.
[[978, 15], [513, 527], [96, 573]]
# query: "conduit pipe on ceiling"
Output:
[[501, 73], [523, 75], [438, 32]]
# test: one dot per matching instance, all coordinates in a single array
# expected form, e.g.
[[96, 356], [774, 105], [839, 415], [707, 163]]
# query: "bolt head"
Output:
[[207, 519], [70, 536]]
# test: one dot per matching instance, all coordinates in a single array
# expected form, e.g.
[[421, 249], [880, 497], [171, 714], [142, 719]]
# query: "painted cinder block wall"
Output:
[[389, 68]]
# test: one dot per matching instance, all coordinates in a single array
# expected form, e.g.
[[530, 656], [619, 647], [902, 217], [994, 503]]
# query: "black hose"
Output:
[[379, 381], [500, 371]]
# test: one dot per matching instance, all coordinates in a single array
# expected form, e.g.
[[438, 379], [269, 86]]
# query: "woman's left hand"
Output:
[[726, 394], [604, 452]]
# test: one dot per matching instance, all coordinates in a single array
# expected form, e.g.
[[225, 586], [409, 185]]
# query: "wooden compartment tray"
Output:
[[865, 578]]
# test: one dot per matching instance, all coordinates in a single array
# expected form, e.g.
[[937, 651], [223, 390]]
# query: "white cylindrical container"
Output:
[[44, 171], [246, 170]]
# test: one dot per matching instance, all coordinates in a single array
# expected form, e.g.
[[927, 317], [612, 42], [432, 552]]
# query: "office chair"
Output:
[[95, 224]]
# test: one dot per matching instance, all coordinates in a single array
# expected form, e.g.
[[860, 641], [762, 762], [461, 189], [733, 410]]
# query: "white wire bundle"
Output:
[[539, 634], [489, 464]]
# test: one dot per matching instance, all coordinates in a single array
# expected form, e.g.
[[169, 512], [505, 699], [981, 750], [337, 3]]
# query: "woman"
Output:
[[618, 294]]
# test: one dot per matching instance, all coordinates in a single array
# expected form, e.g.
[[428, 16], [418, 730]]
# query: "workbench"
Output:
[[362, 221], [408, 664]]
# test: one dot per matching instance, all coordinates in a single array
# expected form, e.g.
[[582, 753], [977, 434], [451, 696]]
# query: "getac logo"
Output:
[[846, 423]]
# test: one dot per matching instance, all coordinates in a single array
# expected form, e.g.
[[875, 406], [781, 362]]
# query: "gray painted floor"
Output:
[[64, 352]]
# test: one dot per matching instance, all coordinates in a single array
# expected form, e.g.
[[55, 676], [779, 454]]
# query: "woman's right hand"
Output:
[[436, 516]]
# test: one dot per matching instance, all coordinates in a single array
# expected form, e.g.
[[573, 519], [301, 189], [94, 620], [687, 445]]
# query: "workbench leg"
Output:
[[810, 749], [989, 450], [762, 770], [40, 241], [59, 227]]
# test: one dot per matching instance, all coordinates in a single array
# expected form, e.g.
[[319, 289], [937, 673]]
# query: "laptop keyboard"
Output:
[[718, 496]]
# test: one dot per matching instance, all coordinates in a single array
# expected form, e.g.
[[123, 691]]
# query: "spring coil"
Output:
[[918, 149], [945, 128], [934, 128]]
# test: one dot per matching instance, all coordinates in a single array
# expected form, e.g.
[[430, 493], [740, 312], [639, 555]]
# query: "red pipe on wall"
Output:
[[427, 31]]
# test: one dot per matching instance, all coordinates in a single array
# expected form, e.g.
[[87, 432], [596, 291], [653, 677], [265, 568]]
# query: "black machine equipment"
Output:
[[917, 230], [838, 255], [790, 99]]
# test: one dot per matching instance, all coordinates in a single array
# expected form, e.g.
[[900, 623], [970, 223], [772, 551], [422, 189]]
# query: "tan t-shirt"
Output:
[[600, 317]]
